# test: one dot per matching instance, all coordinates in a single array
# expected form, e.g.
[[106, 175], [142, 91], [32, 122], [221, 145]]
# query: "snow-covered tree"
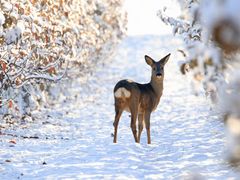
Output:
[[42, 40], [211, 34]]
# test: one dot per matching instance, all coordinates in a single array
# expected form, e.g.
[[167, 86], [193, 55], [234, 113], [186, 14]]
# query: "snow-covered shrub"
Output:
[[41, 41], [203, 57], [211, 34]]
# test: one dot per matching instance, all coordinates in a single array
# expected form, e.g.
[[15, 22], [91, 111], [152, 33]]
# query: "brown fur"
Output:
[[143, 99]]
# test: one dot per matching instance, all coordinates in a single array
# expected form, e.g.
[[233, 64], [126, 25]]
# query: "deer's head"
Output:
[[157, 66]]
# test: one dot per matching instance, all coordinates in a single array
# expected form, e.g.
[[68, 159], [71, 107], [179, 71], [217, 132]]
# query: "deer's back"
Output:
[[127, 92]]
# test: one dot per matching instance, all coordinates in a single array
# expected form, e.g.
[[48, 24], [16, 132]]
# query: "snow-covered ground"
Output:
[[74, 139]]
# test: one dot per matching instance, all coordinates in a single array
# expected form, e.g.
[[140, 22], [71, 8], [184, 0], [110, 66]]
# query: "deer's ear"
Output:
[[149, 60], [165, 59]]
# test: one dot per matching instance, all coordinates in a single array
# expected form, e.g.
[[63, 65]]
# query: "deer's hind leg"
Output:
[[134, 114], [140, 126], [118, 113]]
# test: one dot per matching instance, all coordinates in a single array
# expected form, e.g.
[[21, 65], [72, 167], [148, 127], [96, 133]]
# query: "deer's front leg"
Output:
[[140, 126], [147, 124]]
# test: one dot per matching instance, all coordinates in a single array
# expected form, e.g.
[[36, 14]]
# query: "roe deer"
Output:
[[139, 99]]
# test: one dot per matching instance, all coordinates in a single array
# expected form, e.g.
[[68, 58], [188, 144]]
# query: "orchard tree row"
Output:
[[211, 34], [42, 41]]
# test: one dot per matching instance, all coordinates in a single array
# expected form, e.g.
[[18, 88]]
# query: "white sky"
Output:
[[142, 16]]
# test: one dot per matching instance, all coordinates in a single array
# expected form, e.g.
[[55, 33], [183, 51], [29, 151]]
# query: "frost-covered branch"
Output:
[[40, 40], [211, 34]]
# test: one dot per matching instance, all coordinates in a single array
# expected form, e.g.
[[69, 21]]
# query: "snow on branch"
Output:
[[211, 34], [42, 40]]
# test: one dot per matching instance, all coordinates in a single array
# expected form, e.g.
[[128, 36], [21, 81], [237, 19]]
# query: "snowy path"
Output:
[[75, 140]]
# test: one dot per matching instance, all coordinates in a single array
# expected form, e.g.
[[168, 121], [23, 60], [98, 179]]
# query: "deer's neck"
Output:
[[157, 86]]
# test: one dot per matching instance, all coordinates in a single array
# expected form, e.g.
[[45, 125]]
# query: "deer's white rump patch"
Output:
[[122, 92]]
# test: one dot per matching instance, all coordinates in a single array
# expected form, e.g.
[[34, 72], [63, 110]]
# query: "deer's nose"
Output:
[[159, 74]]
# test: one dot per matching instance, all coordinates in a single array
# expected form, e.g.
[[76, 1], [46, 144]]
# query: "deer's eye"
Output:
[[154, 68]]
